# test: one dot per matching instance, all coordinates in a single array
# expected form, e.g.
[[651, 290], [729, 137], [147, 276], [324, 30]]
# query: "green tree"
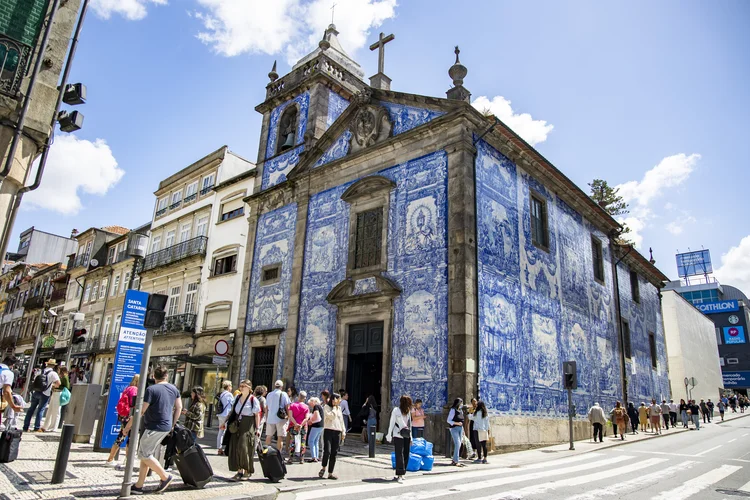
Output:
[[610, 200]]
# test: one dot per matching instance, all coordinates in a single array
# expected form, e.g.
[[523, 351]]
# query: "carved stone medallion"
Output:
[[371, 125]]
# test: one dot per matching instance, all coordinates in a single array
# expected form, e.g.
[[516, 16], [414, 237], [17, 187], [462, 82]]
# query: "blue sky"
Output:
[[651, 96]]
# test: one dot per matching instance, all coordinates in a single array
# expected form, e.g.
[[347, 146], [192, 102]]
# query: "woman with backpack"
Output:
[[620, 417], [124, 409], [195, 414], [53, 410], [456, 419], [481, 420], [399, 430], [243, 426]]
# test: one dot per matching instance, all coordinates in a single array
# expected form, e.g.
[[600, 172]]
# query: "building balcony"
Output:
[[161, 212], [190, 198], [88, 345], [176, 253], [14, 58], [107, 343], [206, 190], [34, 302], [175, 206], [179, 323], [58, 295]]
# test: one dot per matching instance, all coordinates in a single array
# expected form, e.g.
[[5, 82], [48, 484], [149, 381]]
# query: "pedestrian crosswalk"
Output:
[[589, 476]]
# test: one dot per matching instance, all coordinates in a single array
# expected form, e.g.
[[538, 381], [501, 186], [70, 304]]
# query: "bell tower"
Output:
[[301, 105]]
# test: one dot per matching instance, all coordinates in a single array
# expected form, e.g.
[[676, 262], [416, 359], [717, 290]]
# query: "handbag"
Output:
[[281, 412], [234, 421], [405, 431], [64, 396]]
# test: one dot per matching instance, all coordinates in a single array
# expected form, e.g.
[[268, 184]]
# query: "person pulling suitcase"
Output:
[[242, 432], [10, 439]]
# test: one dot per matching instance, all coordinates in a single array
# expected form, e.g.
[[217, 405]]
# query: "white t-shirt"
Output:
[[272, 401], [6, 376], [250, 407], [226, 399], [52, 377]]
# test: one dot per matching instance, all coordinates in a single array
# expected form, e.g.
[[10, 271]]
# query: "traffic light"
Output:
[[570, 375], [79, 336], [155, 310]]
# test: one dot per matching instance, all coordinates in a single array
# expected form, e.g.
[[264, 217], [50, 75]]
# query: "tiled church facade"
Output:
[[469, 306]]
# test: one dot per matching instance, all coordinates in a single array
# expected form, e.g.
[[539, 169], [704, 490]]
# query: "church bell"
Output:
[[289, 143]]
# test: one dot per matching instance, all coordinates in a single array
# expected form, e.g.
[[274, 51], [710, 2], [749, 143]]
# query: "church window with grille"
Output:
[[539, 224], [368, 238]]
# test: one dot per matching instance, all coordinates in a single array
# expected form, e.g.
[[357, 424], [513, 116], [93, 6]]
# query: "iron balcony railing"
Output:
[[206, 190], [88, 345], [175, 206], [190, 198], [106, 343], [178, 323], [162, 211], [176, 253], [14, 57], [35, 302]]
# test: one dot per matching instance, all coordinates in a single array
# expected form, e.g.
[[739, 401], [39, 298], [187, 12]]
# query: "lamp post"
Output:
[[137, 244], [43, 320]]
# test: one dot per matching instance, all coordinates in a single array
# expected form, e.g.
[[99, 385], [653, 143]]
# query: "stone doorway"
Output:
[[364, 370], [263, 366]]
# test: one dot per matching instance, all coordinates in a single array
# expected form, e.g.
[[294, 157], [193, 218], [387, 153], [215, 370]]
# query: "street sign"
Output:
[[693, 381], [220, 361], [128, 358], [221, 347]]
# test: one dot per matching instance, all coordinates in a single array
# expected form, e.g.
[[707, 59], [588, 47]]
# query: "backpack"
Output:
[[124, 404], [40, 383], [219, 404]]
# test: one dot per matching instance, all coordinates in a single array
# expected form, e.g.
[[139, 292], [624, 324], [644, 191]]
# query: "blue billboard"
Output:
[[734, 335], [736, 379], [128, 357], [724, 306], [694, 263]]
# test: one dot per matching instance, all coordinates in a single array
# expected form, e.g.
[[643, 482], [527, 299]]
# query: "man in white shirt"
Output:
[[345, 408], [42, 391], [673, 409], [6, 382], [274, 401], [226, 401]]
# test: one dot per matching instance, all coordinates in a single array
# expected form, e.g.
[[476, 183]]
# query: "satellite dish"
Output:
[[94, 262]]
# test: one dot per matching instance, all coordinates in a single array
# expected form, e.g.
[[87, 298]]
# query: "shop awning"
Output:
[[196, 360]]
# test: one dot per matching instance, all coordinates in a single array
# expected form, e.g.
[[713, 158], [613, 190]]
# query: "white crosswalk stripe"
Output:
[[633, 484], [461, 487], [433, 479], [539, 489], [699, 483]]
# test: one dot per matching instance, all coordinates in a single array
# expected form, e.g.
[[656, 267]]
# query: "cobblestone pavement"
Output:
[[29, 476]]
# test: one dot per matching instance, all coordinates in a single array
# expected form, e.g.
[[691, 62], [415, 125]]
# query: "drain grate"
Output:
[[43, 476], [735, 493]]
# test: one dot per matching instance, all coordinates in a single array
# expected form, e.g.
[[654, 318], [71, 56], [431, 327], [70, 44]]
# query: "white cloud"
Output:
[[670, 172], [734, 269], [132, 10], [531, 130], [74, 165], [677, 226], [289, 27]]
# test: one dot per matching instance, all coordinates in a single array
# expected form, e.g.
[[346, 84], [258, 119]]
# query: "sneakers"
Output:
[[484, 461], [400, 479], [113, 463], [135, 490], [163, 485]]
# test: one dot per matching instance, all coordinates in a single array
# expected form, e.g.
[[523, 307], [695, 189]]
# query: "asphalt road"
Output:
[[712, 463]]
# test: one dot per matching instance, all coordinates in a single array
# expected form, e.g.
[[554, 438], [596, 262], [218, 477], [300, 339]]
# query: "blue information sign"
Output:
[[736, 379], [127, 359]]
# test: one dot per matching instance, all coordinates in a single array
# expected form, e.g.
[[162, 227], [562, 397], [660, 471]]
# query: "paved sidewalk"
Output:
[[87, 477]]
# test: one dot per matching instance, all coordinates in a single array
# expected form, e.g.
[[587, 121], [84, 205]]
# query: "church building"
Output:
[[407, 244]]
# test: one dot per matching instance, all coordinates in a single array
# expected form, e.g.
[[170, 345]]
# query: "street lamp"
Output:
[[137, 245]]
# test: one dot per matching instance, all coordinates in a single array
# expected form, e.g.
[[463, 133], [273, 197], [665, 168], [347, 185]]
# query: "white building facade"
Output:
[[691, 348]]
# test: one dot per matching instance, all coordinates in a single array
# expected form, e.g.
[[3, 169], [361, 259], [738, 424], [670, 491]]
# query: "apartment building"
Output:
[[14, 326], [181, 261], [90, 278], [35, 245], [46, 292]]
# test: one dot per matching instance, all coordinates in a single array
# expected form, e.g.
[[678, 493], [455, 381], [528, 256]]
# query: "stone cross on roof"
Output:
[[380, 47]]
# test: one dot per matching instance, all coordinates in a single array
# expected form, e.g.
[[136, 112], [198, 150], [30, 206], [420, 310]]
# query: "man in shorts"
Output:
[[276, 400], [161, 408]]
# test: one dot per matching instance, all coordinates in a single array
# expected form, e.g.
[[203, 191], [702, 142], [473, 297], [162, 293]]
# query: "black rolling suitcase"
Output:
[[271, 463], [10, 442], [194, 467]]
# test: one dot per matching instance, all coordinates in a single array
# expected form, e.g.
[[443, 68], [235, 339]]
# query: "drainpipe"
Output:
[[618, 309], [45, 148], [27, 98]]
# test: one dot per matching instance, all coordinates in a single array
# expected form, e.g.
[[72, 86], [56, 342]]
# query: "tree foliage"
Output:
[[610, 200]]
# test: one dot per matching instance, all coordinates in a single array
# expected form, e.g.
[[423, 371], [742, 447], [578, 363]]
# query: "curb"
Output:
[[267, 493], [747, 414]]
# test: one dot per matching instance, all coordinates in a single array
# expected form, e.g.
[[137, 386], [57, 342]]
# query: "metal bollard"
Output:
[[63, 450], [210, 414], [448, 443], [371, 440]]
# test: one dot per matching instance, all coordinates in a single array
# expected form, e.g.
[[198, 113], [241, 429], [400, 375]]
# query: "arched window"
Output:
[[287, 130]]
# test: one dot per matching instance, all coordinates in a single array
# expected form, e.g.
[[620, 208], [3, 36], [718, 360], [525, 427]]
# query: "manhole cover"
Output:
[[735, 493]]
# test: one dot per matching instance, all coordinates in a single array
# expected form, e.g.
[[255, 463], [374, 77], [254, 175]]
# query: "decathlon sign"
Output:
[[719, 307]]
